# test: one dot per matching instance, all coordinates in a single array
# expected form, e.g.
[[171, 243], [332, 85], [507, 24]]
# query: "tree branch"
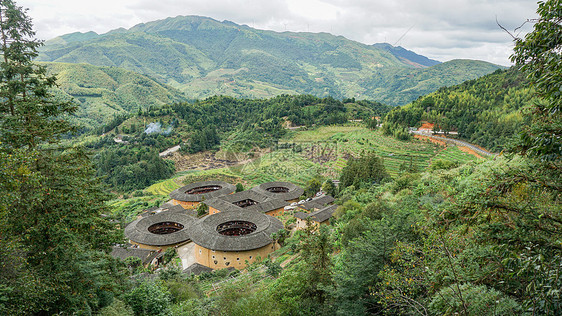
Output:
[[503, 28]]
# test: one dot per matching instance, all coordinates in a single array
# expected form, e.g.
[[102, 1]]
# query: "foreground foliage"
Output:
[[53, 237], [538, 55]]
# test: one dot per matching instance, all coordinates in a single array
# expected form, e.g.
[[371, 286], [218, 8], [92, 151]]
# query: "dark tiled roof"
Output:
[[196, 269], [178, 208], [125, 252], [204, 231], [294, 191], [301, 215], [264, 202], [222, 205], [317, 202], [324, 199], [164, 207], [137, 230], [171, 207], [320, 215], [249, 194], [269, 205], [180, 195]]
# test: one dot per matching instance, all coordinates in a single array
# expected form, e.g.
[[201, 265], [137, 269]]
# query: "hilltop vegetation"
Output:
[[203, 57], [488, 111]]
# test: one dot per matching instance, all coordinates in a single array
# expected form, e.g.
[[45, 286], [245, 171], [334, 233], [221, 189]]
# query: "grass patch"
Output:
[[454, 154]]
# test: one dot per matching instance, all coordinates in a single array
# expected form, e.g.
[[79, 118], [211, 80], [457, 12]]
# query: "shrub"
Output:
[[239, 187], [479, 300], [148, 298], [117, 308]]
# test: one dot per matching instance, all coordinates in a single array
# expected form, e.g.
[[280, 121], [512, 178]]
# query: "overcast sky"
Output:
[[439, 29]]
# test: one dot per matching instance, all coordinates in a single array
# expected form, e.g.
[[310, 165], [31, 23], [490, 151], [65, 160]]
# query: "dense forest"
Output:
[[487, 111], [480, 238]]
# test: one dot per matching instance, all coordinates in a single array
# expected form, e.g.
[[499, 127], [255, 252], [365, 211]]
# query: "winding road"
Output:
[[457, 142]]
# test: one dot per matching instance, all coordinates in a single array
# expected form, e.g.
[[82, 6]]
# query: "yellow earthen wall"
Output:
[[186, 205], [236, 259]]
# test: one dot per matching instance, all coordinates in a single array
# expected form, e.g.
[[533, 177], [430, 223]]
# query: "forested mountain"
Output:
[[487, 111], [203, 57], [104, 92]]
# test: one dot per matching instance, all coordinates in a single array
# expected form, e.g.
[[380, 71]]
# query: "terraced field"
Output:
[[128, 209], [164, 187], [332, 146], [281, 165], [453, 153]]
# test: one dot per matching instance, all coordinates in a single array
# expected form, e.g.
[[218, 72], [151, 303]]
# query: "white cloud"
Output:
[[440, 29]]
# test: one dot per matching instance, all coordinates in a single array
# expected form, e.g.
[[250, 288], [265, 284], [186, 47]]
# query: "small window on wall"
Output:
[[224, 258], [213, 257], [226, 263], [237, 259], [215, 261], [199, 251], [250, 257]]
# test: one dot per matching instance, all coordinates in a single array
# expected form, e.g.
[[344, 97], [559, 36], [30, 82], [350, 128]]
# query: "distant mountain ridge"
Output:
[[203, 57]]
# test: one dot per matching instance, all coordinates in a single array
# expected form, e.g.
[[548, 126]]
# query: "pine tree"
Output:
[[29, 113], [329, 187], [53, 236]]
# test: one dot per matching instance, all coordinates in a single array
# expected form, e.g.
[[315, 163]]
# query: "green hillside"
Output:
[[104, 92], [487, 111], [203, 57]]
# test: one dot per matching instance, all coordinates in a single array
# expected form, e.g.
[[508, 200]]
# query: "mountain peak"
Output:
[[407, 56]]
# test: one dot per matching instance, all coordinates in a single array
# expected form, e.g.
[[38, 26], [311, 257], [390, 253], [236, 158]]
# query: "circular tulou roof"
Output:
[[288, 190], [204, 231], [217, 188], [138, 230]]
